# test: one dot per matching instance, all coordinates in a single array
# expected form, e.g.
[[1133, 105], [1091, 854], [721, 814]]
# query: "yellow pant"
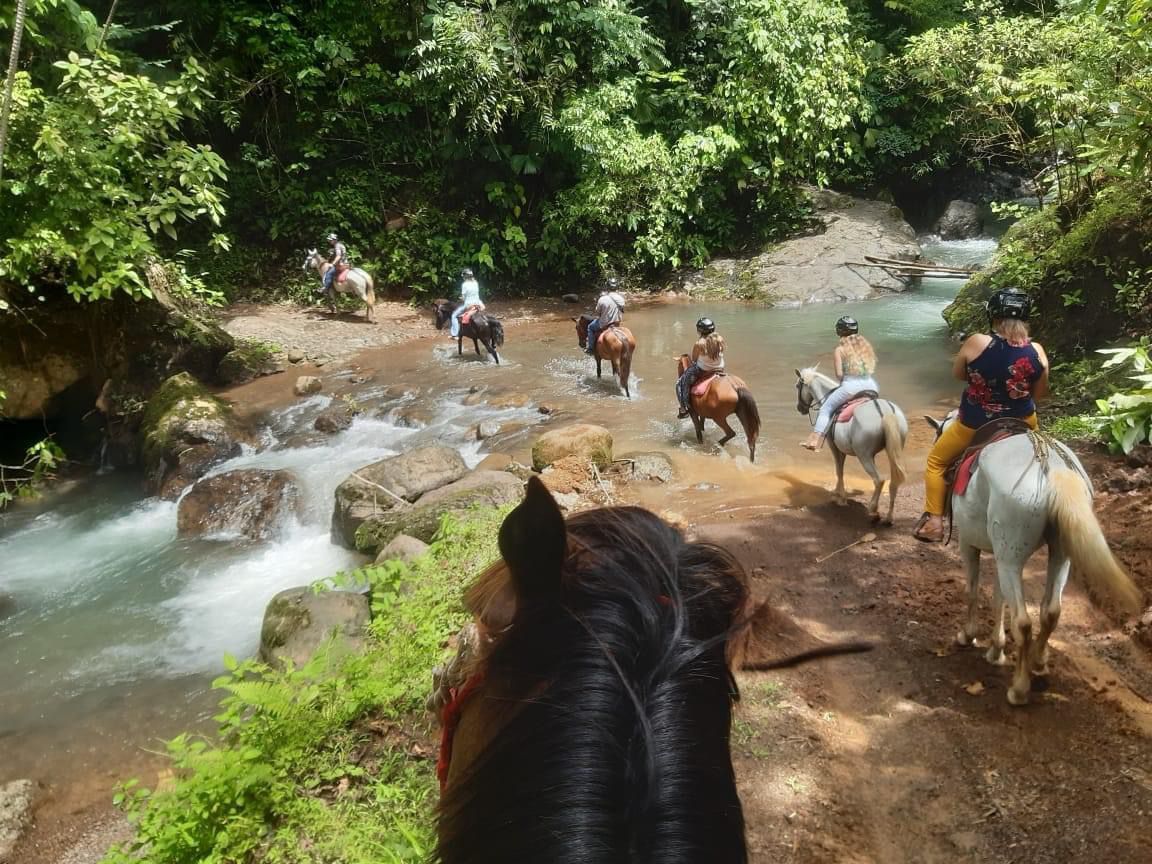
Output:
[[947, 450]]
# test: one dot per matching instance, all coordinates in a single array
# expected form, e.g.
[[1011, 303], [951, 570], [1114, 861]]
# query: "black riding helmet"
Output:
[[705, 327], [1009, 304], [847, 326]]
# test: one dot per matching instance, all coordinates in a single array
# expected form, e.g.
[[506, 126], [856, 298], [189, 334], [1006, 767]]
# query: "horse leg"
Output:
[[698, 422], [1011, 576], [1058, 566], [995, 652], [476, 345], [971, 556], [869, 463], [840, 493], [598, 362], [459, 346], [722, 422]]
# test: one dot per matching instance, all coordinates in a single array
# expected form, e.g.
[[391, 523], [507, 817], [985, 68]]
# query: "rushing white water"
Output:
[[107, 596]]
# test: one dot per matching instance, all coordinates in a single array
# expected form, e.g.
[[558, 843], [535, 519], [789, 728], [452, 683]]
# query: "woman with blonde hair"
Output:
[[855, 361], [707, 357], [1005, 371]]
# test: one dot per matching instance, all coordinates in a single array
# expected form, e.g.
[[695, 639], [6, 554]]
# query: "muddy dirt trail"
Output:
[[911, 753]]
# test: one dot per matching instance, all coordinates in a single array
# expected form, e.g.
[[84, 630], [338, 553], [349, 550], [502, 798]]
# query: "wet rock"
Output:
[[248, 362], [422, 520], [8, 605], [962, 220], [491, 462], [336, 417], [411, 417], [475, 397], [571, 298], [588, 442], [407, 476], [184, 432], [399, 391], [546, 408], [251, 503], [306, 385], [509, 400], [297, 622], [295, 355], [486, 429], [653, 466], [402, 548], [509, 435], [16, 799]]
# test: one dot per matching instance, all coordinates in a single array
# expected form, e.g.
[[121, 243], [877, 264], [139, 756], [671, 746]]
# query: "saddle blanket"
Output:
[[848, 409], [468, 313], [700, 388]]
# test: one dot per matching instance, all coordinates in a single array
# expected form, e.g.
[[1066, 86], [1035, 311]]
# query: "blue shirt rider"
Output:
[[469, 296], [339, 256], [609, 311]]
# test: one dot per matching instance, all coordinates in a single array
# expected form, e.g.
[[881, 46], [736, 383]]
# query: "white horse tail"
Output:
[[894, 447], [1070, 509]]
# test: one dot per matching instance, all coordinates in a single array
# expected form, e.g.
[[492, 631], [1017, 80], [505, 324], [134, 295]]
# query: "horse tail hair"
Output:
[[1070, 510], [497, 332], [626, 349], [369, 290], [749, 416], [894, 447]]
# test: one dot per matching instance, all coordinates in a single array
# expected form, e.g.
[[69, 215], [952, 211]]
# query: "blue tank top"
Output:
[[1000, 383]]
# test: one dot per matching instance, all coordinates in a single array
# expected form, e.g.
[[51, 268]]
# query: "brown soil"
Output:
[[898, 755]]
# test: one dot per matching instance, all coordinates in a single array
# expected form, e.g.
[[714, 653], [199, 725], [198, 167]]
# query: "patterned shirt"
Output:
[[1000, 383]]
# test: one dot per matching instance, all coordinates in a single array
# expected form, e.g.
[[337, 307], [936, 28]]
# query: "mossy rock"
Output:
[[185, 430], [422, 520], [247, 362], [584, 440]]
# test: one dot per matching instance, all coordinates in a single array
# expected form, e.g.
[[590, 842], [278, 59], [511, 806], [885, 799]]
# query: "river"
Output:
[[120, 626]]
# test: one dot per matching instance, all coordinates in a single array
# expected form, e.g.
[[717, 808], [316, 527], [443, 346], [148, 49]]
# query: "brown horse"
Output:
[[592, 720], [616, 344], [726, 395]]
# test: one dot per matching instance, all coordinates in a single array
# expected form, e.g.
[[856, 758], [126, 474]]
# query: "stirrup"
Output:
[[924, 537]]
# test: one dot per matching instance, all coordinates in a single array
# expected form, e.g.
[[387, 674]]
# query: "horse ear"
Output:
[[797, 371], [933, 422], [534, 543], [577, 320]]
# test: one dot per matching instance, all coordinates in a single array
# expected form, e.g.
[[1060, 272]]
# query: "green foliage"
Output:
[[98, 176], [1125, 417], [320, 763]]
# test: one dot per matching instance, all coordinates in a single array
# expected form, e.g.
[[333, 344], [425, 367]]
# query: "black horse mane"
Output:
[[618, 747]]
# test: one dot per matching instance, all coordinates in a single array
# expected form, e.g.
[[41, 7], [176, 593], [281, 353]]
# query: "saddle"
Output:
[[468, 313], [959, 475], [700, 388], [848, 409], [604, 333], [342, 271]]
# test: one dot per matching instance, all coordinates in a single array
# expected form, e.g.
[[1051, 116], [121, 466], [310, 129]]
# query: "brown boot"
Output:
[[930, 529]]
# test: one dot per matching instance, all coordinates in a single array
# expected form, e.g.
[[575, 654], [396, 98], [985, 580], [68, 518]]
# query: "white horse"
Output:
[[1029, 490], [875, 426], [355, 280]]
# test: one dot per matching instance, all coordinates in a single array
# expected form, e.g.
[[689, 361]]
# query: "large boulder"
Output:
[[962, 220], [251, 503], [422, 519], [248, 362], [821, 266], [336, 417], [375, 488], [297, 622], [585, 441], [185, 431], [16, 799], [307, 385], [402, 548]]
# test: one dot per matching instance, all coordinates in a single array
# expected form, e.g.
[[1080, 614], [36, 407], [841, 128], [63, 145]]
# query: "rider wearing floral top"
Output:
[[1005, 371]]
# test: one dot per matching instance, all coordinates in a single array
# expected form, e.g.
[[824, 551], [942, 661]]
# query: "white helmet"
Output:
[[332, 238]]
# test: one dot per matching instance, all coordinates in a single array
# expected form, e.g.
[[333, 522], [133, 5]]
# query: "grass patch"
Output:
[[329, 762]]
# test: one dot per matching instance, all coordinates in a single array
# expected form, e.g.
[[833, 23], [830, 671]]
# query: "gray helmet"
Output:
[[1009, 304], [332, 238], [613, 283], [466, 273], [705, 327], [847, 326]]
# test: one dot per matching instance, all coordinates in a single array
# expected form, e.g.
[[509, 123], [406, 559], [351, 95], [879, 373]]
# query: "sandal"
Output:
[[924, 535]]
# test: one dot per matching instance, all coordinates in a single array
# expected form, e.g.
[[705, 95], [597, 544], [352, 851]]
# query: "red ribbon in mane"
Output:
[[450, 720]]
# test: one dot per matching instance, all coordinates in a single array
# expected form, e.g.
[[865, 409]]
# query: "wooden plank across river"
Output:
[[913, 268]]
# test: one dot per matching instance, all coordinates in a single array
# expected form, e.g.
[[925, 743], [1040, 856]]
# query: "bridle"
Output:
[[812, 408]]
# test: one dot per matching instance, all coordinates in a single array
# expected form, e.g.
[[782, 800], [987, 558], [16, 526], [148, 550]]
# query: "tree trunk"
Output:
[[10, 81], [107, 24]]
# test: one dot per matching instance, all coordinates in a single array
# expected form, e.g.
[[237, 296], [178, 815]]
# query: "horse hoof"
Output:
[[963, 639], [1015, 697], [1040, 681], [874, 517], [887, 522], [996, 657]]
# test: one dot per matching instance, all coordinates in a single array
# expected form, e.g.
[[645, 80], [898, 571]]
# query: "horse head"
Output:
[[607, 669], [582, 323], [940, 425], [310, 262], [442, 309]]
